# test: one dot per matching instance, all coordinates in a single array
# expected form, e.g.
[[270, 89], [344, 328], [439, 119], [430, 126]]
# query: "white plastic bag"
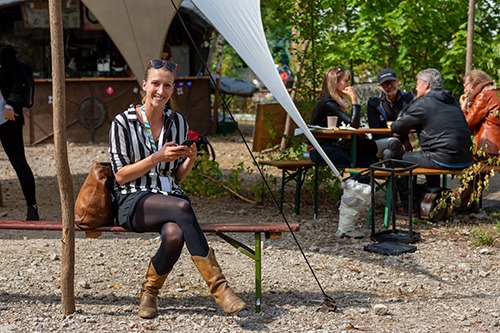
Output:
[[354, 204]]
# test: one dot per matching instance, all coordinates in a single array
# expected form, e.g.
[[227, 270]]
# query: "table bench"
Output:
[[270, 230], [293, 170], [386, 185]]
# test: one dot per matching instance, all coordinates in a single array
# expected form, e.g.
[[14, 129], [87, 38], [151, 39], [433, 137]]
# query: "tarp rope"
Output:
[[328, 301]]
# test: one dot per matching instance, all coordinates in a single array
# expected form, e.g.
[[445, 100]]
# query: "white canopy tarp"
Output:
[[240, 22], [138, 29]]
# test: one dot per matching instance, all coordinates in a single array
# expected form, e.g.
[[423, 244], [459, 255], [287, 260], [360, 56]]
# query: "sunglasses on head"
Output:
[[339, 70], [159, 63]]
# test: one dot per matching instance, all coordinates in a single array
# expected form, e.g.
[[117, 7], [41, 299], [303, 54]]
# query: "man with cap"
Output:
[[383, 109]]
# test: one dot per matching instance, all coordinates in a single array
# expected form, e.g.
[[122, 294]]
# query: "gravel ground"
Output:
[[447, 285]]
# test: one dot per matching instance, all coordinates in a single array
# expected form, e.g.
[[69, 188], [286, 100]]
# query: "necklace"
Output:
[[148, 129]]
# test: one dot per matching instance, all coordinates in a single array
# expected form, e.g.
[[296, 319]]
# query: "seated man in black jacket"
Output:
[[384, 109], [441, 128]]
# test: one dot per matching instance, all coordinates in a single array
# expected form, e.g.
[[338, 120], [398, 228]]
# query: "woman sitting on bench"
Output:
[[480, 104], [149, 157]]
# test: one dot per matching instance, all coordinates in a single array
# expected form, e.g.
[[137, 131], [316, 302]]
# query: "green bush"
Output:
[[482, 237], [208, 180]]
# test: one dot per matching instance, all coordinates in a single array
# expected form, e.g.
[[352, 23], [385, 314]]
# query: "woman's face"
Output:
[[343, 82], [467, 85], [159, 86]]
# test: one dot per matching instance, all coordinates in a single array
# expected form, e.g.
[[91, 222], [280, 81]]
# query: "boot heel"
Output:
[[149, 292]]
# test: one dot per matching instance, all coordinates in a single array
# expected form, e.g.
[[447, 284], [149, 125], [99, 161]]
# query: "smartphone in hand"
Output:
[[187, 142]]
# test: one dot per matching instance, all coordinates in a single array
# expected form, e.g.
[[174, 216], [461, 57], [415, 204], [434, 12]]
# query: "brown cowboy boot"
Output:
[[150, 289], [212, 274]]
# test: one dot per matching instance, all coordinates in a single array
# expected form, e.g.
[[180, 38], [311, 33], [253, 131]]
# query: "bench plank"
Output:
[[385, 176], [289, 164], [415, 172], [267, 227], [270, 229], [419, 171]]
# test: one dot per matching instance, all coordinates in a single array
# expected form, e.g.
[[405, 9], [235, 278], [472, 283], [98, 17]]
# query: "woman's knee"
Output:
[[185, 210], [172, 233]]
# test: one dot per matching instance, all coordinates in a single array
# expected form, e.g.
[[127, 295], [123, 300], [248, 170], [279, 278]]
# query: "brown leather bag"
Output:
[[93, 204], [429, 202]]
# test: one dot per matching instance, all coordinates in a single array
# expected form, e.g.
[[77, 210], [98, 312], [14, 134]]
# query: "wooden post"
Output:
[[288, 123], [61, 156], [217, 96], [470, 36]]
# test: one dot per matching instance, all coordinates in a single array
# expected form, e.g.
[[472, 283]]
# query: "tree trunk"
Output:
[[61, 156], [288, 123], [470, 36]]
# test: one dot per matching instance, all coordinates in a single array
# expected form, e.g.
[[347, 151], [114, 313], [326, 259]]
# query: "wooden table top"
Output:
[[347, 133]]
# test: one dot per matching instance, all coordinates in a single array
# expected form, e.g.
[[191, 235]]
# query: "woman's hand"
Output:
[[190, 151], [9, 113], [349, 91], [171, 151], [464, 100]]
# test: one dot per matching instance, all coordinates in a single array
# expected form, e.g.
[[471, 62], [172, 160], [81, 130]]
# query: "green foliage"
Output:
[[482, 237], [295, 150], [196, 183], [365, 36], [208, 180], [475, 175], [329, 187]]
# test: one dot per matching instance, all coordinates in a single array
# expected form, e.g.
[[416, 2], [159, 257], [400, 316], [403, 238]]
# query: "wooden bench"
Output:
[[387, 185], [270, 230], [293, 170]]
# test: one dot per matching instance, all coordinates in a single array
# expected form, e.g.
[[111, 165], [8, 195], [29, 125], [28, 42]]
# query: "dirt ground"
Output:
[[447, 285]]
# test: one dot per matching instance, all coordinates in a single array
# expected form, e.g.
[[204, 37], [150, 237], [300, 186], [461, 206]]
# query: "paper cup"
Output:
[[332, 121]]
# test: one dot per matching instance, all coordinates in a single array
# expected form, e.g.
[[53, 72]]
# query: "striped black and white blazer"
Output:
[[129, 143]]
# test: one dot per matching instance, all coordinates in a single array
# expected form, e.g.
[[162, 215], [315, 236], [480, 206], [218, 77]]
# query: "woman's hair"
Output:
[[159, 64], [431, 76], [476, 76], [329, 88]]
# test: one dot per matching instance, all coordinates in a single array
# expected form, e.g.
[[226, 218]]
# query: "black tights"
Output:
[[174, 218], [11, 136]]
